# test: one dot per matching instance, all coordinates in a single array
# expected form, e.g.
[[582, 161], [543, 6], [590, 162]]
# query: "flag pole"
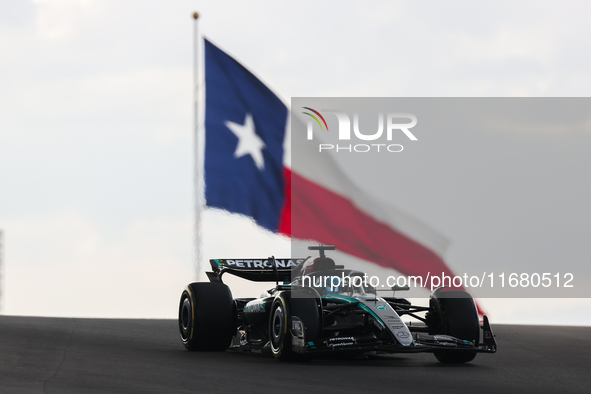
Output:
[[198, 167]]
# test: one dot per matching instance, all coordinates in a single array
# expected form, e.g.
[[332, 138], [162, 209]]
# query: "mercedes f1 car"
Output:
[[302, 316]]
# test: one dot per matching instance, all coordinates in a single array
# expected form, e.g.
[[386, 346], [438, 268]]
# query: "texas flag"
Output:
[[245, 127], [246, 172]]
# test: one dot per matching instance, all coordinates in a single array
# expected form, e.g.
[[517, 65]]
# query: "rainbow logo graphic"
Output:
[[315, 118]]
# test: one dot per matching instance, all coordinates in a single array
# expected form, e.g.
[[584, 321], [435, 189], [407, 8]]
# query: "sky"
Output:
[[96, 135]]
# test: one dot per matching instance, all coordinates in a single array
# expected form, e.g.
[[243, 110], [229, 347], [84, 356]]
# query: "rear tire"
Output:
[[207, 317], [459, 318]]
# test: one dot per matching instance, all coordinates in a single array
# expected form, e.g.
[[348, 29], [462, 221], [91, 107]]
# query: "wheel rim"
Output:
[[185, 318], [277, 327]]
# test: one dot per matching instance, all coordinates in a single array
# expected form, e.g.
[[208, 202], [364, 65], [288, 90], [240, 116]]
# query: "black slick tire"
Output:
[[207, 317], [287, 305], [279, 322], [459, 318]]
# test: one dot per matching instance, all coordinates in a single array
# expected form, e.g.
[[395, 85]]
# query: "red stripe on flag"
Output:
[[327, 217], [324, 216], [285, 219]]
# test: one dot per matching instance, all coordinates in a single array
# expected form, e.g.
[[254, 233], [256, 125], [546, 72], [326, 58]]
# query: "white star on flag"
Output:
[[249, 143]]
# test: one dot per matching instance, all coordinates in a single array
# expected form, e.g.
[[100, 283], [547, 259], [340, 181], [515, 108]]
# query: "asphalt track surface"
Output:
[[55, 355]]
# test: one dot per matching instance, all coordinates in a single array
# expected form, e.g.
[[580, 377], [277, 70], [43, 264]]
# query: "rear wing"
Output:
[[256, 270]]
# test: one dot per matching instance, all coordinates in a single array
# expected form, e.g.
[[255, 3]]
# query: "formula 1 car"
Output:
[[312, 313]]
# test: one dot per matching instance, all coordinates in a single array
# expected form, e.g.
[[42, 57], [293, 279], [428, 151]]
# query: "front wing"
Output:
[[369, 343]]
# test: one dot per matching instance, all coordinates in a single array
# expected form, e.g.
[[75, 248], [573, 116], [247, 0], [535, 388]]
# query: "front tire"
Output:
[[207, 317], [458, 318], [279, 337], [301, 304]]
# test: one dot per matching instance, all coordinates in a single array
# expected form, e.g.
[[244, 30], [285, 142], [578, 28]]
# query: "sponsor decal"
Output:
[[255, 307], [444, 338], [336, 339], [341, 341], [262, 264], [393, 322]]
